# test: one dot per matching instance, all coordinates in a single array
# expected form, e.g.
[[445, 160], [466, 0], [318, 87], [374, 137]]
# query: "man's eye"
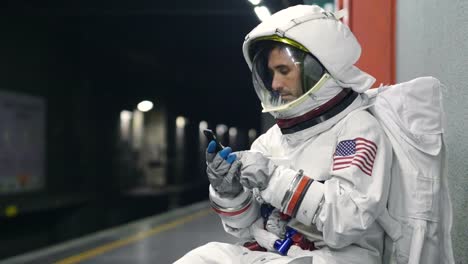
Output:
[[283, 70]]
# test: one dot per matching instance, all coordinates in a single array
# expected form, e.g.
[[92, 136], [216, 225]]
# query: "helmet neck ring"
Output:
[[319, 114]]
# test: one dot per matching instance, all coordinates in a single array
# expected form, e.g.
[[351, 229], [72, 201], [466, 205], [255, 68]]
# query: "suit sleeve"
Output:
[[239, 213]]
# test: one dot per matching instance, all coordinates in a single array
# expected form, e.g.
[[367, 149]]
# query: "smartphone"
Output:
[[211, 136]]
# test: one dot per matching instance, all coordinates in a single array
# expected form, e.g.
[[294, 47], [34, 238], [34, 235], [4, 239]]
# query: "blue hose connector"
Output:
[[282, 246]]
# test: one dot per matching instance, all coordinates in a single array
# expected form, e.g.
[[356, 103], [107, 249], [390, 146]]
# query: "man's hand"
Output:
[[223, 169], [256, 170]]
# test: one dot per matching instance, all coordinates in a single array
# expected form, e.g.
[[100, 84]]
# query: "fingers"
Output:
[[223, 165], [231, 158], [211, 151], [251, 157], [213, 178], [246, 181], [233, 171], [224, 153], [219, 160], [250, 181], [211, 147]]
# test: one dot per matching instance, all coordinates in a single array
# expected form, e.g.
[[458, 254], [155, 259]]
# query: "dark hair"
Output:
[[268, 45]]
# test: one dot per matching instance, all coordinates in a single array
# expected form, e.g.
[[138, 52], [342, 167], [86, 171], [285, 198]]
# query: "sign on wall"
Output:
[[22, 142]]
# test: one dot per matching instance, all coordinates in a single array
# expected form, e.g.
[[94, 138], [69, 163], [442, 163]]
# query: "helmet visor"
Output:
[[284, 76]]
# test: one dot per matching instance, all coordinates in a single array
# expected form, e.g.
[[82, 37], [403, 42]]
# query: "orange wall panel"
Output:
[[373, 23]]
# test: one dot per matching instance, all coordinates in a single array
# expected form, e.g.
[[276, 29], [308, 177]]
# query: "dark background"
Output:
[[90, 60]]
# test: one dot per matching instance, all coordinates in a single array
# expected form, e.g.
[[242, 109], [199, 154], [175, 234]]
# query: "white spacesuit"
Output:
[[325, 165]]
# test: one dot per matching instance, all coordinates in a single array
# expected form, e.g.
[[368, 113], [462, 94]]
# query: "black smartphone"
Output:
[[211, 136]]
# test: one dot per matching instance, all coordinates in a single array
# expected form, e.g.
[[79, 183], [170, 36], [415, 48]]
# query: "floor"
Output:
[[159, 239]]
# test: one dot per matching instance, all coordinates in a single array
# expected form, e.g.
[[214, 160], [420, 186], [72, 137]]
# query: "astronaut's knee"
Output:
[[212, 246], [303, 260], [217, 248]]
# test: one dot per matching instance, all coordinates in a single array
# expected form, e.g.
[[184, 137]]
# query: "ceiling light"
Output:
[[262, 12], [221, 129], [232, 131], [252, 133], [203, 125], [145, 106], [125, 115], [180, 121], [255, 2]]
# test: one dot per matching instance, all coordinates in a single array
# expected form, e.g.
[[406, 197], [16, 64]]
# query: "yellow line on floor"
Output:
[[139, 236]]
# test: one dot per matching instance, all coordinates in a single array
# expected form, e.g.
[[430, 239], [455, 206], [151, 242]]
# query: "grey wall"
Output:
[[432, 39]]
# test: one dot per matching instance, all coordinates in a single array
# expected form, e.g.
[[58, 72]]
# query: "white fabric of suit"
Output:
[[352, 200]]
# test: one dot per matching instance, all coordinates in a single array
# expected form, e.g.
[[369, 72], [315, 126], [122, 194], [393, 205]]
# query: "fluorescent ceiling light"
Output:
[[255, 2], [232, 131], [252, 133], [203, 125], [221, 129], [145, 106], [125, 115], [181, 121], [262, 12]]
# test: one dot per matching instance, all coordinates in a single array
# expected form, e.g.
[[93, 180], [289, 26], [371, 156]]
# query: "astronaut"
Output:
[[325, 164]]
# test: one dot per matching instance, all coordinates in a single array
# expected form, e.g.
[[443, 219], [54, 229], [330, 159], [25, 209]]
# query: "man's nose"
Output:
[[276, 84]]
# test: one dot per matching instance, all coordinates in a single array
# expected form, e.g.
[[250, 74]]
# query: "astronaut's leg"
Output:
[[215, 252], [212, 253]]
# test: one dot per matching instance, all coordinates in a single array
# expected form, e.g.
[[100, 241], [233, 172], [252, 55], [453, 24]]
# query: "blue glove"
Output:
[[223, 170]]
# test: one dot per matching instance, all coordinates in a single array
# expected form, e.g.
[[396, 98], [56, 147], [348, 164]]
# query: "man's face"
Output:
[[286, 74]]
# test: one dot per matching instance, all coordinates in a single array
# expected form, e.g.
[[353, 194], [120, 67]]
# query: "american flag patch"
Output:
[[358, 152]]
